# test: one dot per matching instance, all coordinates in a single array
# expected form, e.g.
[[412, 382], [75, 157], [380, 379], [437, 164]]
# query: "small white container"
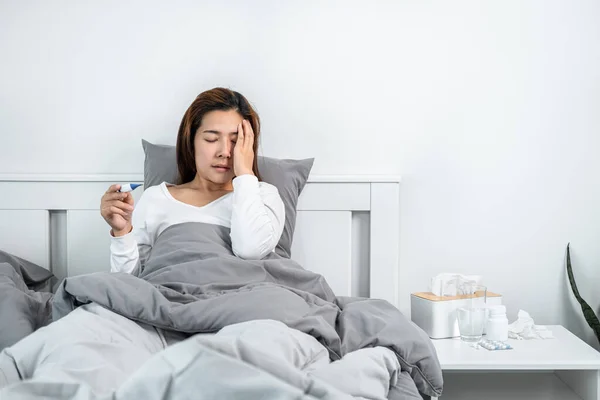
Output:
[[497, 323]]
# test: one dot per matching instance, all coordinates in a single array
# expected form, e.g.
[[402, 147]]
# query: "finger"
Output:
[[110, 210], [128, 199], [249, 133], [119, 204], [240, 138], [122, 205], [116, 210], [248, 128], [114, 188], [116, 196]]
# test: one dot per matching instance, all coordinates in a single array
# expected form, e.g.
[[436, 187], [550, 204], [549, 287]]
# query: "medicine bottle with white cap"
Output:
[[497, 323]]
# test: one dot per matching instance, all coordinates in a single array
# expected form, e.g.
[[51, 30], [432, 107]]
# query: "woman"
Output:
[[218, 184]]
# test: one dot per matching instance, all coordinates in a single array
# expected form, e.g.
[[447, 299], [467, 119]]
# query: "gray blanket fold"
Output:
[[192, 282], [34, 277], [22, 310]]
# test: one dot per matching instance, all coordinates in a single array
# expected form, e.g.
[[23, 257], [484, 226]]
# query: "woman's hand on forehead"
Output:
[[243, 152]]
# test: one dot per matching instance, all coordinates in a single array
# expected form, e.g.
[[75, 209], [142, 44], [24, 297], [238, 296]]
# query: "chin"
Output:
[[221, 178]]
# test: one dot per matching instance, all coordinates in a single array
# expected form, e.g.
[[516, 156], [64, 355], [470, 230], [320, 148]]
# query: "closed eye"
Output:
[[210, 141]]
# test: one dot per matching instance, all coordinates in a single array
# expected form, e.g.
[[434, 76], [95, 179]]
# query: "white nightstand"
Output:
[[564, 368]]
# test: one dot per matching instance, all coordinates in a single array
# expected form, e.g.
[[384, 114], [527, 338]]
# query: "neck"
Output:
[[203, 184]]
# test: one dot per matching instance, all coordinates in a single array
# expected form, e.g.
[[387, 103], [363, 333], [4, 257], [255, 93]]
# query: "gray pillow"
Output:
[[288, 176]]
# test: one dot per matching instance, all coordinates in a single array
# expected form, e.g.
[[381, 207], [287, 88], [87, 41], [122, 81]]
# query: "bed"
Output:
[[54, 221], [347, 230]]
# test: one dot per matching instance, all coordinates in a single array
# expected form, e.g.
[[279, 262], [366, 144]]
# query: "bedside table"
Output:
[[563, 368]]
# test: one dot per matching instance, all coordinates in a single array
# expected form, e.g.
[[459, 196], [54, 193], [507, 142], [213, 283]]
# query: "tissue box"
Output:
[[436, 315]]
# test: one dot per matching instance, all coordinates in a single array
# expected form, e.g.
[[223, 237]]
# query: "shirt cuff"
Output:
[[245, 186], [245, 180], [122, 244]]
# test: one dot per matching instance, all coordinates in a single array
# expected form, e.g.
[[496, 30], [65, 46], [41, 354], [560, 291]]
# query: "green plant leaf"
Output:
[[588, 313]]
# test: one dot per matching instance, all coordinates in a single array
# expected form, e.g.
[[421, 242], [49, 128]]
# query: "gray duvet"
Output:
[[193, 283], [22, 309]]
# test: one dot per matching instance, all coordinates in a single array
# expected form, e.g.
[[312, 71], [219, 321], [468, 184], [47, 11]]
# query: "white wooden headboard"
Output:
[[348, 228]]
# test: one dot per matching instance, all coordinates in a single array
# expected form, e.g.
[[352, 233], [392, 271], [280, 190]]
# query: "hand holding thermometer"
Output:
[[116, 207], [129, 187]]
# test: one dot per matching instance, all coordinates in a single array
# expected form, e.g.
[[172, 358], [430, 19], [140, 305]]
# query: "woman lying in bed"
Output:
[[218, 184], [264, 328]]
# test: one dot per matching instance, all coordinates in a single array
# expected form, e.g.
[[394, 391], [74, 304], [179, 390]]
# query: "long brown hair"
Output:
[[214, 99]]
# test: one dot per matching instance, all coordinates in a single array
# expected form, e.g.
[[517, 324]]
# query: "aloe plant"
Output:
[[588, 313]]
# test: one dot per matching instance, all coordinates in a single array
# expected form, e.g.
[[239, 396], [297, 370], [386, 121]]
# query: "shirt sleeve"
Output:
[[257, 218], [130, 250]]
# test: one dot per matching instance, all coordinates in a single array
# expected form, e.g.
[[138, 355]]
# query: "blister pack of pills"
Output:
[[494, 345]]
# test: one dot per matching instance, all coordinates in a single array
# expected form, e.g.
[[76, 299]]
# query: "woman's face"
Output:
[[214, 143]]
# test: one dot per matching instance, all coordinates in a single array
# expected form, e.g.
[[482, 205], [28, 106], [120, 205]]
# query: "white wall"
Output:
[[488, 109]]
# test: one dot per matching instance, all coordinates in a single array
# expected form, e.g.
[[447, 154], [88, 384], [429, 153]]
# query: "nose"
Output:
[[225, 147]]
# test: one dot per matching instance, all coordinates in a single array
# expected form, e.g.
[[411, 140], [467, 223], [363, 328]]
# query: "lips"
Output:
[[222, 168]]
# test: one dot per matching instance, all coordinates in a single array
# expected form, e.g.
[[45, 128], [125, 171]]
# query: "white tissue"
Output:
[[525, 328], [448, 284]]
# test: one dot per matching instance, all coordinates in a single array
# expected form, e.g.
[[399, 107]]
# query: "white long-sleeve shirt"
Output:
[[254, 212]]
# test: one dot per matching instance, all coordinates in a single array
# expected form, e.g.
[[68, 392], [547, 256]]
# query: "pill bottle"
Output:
[[497, 323]]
